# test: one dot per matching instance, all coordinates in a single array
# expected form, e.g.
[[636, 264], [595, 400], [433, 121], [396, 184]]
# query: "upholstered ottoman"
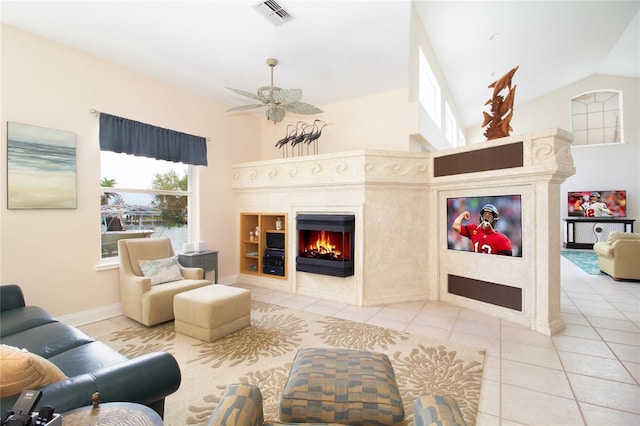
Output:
[[341, 386], [211, 312]]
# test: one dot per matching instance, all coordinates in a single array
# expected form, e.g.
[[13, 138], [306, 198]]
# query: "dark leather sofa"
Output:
[[90, 365]]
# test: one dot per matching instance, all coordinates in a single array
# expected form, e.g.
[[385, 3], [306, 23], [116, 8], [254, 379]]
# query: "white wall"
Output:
[[612, 166]]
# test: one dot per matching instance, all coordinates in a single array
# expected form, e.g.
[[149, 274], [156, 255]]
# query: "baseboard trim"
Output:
[[93, 315]]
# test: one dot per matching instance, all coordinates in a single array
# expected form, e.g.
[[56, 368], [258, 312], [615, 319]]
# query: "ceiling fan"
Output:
[[277, 100]]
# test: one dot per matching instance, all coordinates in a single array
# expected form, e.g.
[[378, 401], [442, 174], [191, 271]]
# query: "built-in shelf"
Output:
[[252, 247]]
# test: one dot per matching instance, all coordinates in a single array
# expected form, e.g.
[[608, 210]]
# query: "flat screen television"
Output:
[[509, 222], [275, 240], [615, 204]]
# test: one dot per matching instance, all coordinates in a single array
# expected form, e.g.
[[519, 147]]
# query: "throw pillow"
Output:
[[161, 270], [23, 370]]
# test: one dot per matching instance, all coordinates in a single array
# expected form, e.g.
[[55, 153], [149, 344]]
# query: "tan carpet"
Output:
[[262, 354]]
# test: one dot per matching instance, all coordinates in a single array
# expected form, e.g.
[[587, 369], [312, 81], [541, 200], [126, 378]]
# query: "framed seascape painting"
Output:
[[41, 168]]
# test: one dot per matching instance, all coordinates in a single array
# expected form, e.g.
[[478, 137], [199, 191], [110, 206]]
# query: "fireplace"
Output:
[[325, 244]]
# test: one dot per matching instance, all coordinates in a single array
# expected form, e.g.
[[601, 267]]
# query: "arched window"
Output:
[[596, 117]]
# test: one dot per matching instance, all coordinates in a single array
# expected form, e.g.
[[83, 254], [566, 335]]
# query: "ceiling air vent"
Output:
[[273, 11]]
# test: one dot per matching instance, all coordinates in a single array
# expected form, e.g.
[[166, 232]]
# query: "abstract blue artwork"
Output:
[[41, 168]]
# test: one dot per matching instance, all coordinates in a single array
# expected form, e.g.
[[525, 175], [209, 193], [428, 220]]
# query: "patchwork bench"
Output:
[[343, 386]]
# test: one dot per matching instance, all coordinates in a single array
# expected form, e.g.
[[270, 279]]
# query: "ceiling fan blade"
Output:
[[287, 96], [302, 108], [245, 93], [245, 107], [275, 114]]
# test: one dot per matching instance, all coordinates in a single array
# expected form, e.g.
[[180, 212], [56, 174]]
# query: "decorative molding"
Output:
[[361, 167]]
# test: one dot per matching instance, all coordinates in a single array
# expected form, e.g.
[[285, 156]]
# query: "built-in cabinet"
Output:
[[584, 232], [254, 228]]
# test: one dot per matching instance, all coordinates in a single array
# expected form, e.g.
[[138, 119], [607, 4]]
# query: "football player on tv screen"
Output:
[[484, 237], [594, 207]]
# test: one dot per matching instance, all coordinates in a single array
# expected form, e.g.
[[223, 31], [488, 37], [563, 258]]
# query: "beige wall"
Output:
[[383, 121], [53, 254]]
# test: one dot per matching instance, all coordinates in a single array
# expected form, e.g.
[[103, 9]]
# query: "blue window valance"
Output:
[[122, 135]]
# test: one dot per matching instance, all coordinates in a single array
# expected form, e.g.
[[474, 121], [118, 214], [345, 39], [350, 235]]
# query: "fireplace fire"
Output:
[[325, 244]]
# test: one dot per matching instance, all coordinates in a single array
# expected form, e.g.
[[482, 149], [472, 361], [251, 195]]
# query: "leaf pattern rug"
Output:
[[262, 354]]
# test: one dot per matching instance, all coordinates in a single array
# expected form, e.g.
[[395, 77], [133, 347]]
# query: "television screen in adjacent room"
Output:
[[509, 222], [616, 203]]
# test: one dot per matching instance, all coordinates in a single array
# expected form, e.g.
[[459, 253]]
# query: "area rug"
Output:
[[585, 260], [262, 354]]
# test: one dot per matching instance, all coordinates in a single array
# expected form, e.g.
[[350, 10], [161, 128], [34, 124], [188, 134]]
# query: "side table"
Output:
[[112, 414], [207, 260]]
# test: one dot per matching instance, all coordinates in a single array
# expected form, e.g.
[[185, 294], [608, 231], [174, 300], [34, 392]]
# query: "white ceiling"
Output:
[[338, 50]]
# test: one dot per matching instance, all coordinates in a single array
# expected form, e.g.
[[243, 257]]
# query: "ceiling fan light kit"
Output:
[[277, 100]]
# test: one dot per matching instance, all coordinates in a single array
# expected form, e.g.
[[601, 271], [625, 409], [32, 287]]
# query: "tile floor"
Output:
[[588, 374]]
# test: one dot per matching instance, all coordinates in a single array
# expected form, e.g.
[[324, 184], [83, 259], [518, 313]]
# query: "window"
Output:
[[462, 141], [429, 91], [450, 125], [143, 197], [596, 117]]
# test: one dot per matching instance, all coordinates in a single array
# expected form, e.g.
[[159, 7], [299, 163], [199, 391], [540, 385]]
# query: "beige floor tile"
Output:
[[604, 368], [634, 369], [595, 312], [489, 398], [468, 314], [409, 306], [582, 346], [332, 303], [481, 328], [388, 323], [483, 419], [434, 320], [582, 331], [528, 354], [597, 415], [491, 368], [529, 337], [99, 328], [441, 309], [491, 345], [607, 393], [577, 318], [352, 316], [532, 408], [617, 336], [298, 302], [613, 324], [536, 378], [428, 332], [504, 422], [323, 309], [397, 314], [363, 310], [124, 321]]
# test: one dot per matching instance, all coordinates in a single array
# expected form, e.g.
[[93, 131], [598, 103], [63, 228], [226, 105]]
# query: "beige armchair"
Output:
[[146, 303], [619, 256]]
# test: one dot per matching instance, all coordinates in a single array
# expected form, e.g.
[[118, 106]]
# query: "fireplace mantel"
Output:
[[339, 169], [399, 203]]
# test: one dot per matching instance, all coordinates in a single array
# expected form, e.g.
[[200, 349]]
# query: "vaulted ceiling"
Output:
[[338, 50]]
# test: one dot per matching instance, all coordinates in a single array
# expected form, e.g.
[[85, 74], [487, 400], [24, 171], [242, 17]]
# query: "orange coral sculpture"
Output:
[[501, 107]]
